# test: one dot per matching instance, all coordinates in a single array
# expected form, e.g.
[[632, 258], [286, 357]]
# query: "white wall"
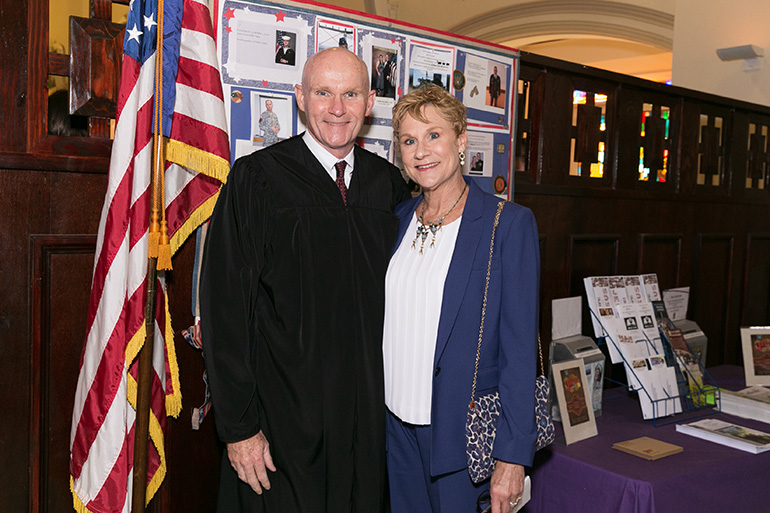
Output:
[[702, 26]]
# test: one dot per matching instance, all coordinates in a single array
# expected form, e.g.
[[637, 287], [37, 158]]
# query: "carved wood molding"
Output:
[[96, 51]]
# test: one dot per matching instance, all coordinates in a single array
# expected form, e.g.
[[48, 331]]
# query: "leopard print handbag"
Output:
[[545, 430], [482, 415], [480, 426]]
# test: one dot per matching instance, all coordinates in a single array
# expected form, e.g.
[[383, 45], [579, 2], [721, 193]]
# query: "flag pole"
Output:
[[144, 386], [144, 381]]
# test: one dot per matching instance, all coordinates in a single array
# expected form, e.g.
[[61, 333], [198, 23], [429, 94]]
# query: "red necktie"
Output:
[[340, 167]]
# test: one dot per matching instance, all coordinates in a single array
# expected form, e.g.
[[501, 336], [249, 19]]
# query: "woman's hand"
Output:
[[506, 486]]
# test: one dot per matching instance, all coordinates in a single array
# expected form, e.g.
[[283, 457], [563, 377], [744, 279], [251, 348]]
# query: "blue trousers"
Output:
[[412, 488]]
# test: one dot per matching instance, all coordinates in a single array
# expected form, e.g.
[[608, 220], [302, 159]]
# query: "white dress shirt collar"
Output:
[[328, 160]]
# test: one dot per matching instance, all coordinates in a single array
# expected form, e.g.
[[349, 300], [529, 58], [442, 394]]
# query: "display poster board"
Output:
[[264, 45], [574, 399], [755, 342]]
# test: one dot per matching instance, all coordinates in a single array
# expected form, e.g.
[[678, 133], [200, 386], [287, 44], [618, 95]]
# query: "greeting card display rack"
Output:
[[696, 399]]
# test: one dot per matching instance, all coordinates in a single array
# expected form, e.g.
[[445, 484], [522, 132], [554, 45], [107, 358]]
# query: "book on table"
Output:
[[751, 403], [648, 448], [726, 433]]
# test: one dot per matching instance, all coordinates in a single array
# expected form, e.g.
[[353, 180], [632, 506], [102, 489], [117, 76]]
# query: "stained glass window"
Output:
[[710, 160], [588, 114], [757, 161], [655, 138]]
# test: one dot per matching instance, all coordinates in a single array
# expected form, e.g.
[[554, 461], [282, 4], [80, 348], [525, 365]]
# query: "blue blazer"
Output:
[[508, 350]]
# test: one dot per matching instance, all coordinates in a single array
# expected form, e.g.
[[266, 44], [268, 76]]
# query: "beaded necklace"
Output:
[[433, 227]]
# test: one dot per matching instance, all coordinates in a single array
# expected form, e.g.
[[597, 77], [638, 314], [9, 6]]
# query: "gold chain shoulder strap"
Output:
[[540, 354], [500, 206]]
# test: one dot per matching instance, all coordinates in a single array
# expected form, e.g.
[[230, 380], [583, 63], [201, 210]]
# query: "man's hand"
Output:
[[251, 459]]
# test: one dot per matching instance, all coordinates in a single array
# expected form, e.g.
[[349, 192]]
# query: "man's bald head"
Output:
[[335, 97], [337, 57]]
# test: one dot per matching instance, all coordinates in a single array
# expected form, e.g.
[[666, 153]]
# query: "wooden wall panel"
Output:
[[60, 283], [46, 276], [21, 197], [591, 255], [661, 254], [552, 141], [710, 292], [14, 50], [756, 281]]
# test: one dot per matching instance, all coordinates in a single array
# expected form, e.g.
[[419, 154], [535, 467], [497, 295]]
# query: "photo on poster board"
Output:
[[574, 399], [382, 52], [755, 342], [479, 154], [271, 118], [264, 45], [430, 63], [246, 106], [487, 90], [496, 88], [285, 43], [333, 33], [476, 165], [384, 67]]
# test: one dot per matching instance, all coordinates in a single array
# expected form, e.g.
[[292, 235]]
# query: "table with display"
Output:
[[591, 477]]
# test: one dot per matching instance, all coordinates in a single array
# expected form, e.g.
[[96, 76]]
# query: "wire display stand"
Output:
[[694, 400]]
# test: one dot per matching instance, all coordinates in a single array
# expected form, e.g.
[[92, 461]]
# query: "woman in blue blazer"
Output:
[[434, 294]]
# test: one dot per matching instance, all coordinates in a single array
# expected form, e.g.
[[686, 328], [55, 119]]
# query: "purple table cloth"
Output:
[[591, 477]]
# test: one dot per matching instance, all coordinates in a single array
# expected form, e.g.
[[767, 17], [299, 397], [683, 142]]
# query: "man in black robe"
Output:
[[292, 297]]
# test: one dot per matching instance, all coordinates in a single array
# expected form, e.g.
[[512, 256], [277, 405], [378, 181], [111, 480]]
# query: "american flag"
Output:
[[102, 438]]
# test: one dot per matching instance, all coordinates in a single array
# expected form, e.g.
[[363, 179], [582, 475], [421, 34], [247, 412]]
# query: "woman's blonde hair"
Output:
[[449, 107]]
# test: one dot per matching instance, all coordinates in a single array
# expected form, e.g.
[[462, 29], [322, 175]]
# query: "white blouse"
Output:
[[414, 290]]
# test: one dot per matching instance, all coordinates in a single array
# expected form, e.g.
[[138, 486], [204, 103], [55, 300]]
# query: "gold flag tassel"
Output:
[[164, 247], [159, 246], [154, 236]]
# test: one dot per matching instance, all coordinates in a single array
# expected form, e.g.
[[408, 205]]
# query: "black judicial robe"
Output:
[[292, 300]]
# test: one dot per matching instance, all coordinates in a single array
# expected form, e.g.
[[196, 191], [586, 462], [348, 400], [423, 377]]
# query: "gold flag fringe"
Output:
[[77, 504], [156, 436], [174, 400], [197, 160], [132, 350], [194, 220]]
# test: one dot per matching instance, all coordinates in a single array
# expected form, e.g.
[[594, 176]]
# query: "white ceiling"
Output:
[[625, 57]]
